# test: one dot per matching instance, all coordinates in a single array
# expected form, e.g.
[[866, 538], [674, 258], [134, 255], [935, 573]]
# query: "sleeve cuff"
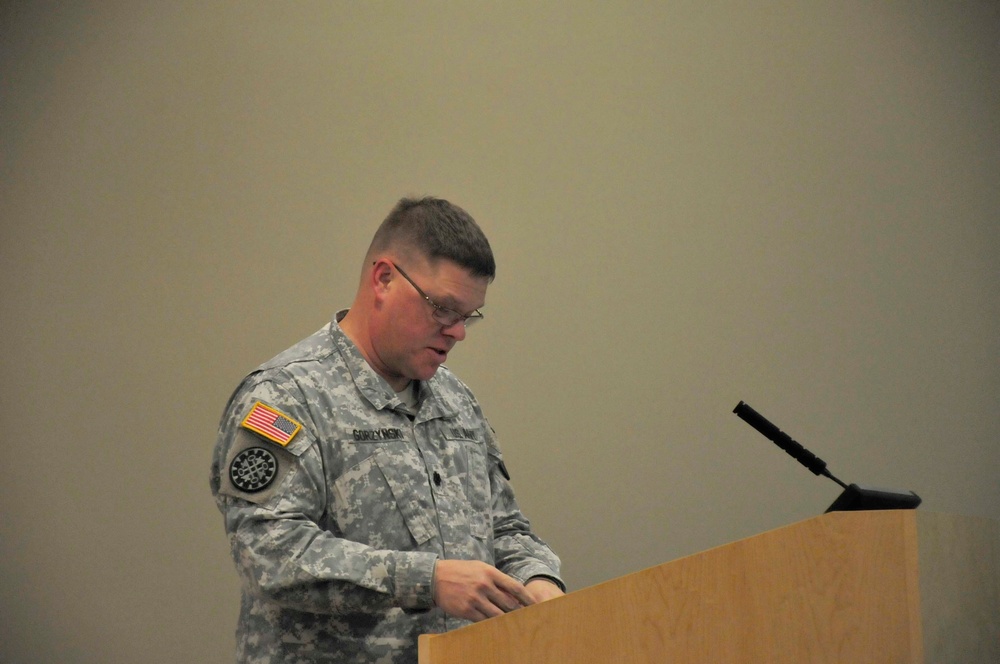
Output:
[[546, 577], [530, 572], [415, 580]]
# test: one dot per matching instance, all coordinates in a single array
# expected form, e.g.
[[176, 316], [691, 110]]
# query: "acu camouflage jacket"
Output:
[[338, 501]]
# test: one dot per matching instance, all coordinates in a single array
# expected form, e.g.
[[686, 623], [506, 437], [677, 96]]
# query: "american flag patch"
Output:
[[271, 424]]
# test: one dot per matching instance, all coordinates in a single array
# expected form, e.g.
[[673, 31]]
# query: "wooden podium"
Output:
[[881, 586]]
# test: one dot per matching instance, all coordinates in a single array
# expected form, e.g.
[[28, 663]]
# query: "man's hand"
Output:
[[542, 589], [473, 590]]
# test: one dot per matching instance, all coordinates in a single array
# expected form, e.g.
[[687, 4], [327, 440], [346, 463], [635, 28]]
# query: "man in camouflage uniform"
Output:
[[364, 495]]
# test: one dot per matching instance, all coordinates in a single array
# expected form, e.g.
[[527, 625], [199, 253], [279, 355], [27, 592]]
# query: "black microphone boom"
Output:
[[784, 441], [854, 497]]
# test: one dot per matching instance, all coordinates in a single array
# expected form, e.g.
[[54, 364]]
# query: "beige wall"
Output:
[[691, 204]]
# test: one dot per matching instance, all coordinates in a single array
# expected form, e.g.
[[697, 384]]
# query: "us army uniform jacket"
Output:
[[338, 502]]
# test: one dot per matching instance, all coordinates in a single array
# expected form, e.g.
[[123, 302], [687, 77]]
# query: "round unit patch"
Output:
[[253, 469]]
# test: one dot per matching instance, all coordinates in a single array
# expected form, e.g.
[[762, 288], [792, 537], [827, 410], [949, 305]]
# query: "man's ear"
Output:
[[381, 276]]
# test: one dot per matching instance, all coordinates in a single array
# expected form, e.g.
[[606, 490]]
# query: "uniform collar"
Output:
[[431, 402]]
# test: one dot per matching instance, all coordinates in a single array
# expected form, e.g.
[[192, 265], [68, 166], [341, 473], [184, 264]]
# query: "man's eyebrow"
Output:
[[445, 300], [453, 304]]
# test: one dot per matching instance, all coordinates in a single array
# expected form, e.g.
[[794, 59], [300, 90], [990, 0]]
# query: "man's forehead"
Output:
[[454, 285]]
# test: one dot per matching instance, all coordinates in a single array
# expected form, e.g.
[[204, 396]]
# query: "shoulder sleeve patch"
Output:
[[272, 424], [254, 473]]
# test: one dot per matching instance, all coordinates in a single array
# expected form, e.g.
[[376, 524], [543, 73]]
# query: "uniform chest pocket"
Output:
[[382, 501], [477, 488]]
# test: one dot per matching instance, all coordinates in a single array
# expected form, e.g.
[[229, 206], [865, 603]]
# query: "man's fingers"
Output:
[[503, 600], [515, 591], [482, 613], [475, 591]]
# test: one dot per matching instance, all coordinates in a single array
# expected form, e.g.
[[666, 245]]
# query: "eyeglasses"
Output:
[[447, 317]]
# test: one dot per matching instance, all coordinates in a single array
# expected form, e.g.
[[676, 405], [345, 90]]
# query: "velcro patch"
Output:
[[272, 424], [253, 469]]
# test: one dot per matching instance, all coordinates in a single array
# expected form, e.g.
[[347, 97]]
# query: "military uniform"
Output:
[[338, 500]]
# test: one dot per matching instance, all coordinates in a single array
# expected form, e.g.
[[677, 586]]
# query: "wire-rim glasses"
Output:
[[447, 317]]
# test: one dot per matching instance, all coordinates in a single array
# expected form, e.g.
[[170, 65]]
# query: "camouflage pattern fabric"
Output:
[[335, 532]]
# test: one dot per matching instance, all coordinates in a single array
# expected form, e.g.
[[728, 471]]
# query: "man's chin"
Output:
[[429, 373], [425, 372]]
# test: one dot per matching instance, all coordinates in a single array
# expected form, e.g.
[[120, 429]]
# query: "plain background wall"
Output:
[[692, 203]]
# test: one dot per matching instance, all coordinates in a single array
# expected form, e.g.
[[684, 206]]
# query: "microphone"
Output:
[[854, 497], [784, 441]]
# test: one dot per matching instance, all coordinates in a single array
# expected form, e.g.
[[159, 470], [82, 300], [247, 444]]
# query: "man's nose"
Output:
[[455, 330]]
